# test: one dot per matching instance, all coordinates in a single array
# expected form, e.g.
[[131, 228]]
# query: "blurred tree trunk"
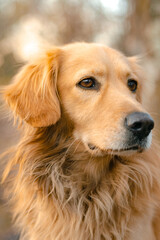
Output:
[[136, 37]]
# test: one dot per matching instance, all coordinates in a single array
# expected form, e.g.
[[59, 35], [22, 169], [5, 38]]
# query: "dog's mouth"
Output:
[[135, 148]]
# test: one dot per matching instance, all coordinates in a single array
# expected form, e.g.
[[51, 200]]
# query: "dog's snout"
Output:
[[139, 123]]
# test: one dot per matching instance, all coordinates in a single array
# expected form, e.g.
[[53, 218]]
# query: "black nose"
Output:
[[139, 123]]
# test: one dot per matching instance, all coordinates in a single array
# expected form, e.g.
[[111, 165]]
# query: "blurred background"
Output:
[[26, 26]]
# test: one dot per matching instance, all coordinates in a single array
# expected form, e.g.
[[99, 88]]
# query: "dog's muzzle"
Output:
[[138, 126]]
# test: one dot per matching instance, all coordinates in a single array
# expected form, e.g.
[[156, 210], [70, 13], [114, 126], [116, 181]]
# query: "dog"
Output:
[[85, 167]]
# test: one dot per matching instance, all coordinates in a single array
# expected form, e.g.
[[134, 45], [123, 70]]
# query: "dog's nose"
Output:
[[139, 123]]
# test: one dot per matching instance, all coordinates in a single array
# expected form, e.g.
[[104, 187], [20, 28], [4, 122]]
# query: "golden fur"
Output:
[[58, 187]]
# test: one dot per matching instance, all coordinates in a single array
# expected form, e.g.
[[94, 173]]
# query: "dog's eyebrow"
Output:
[[99, 71], [65, 68], [90, 72]]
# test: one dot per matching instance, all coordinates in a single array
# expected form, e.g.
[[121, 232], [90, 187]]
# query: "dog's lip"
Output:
[[91, 146], [132, 148]]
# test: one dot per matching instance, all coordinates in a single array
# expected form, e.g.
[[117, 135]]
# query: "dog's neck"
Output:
[[66, 161], [86, 189]]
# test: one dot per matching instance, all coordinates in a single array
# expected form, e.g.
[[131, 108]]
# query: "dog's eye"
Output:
[[87, 83], [132, 84]]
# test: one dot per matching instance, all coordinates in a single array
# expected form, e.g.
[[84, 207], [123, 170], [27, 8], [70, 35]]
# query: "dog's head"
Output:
[[97, 87]]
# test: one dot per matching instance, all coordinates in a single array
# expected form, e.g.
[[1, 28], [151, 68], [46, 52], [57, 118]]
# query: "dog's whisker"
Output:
[[70, 146]]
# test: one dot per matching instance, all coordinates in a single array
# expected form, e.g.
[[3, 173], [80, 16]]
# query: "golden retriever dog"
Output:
[[85, 168]]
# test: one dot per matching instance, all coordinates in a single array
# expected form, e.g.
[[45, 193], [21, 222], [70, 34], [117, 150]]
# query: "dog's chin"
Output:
[[125, 150], [94, 150]]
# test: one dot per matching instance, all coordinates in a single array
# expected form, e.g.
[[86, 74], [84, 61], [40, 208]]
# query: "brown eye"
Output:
[[87, 83], [132, 84]]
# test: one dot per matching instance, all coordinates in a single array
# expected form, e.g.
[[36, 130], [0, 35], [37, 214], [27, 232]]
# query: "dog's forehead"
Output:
[[92, 55]]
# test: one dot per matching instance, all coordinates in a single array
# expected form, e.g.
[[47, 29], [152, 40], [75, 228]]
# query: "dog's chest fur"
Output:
[[73, 197]]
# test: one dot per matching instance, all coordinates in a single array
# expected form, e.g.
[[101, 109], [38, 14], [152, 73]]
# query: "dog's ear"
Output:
[[32, 95]]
